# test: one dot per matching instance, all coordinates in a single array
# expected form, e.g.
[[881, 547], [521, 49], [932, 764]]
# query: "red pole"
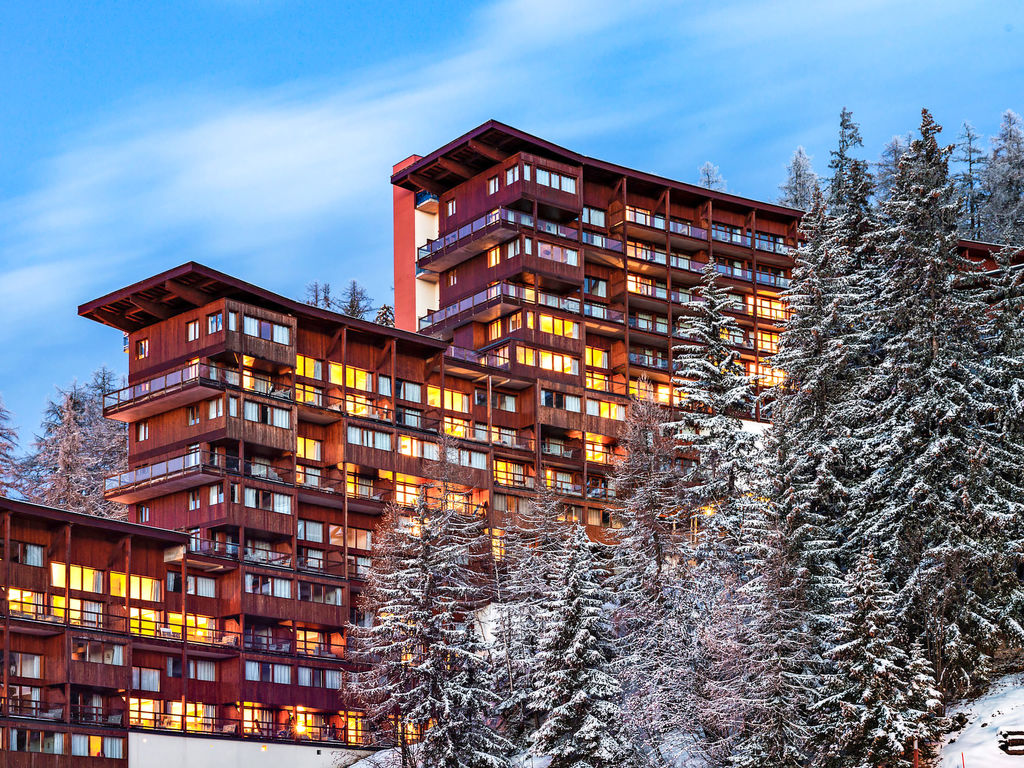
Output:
[[963, 760]]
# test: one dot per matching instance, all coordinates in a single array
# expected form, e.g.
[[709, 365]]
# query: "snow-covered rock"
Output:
[[977, 744]]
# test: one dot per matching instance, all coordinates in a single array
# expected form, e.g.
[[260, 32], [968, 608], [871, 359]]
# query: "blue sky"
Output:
[[258, 136]]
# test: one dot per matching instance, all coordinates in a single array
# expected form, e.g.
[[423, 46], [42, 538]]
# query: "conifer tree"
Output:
[[578, 697], [776, 686], [937, 511], [385, 316], [888, 165], [1003, 183], [711, 177], [8, 460], [533, 547], [646, 481], [801, 181], [355, 301], [879, 698], [710, 381], [972, 159], [429, 678], [77, 450]]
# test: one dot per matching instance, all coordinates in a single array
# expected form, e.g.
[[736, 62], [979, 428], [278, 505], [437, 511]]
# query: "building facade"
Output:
[[537, 290]]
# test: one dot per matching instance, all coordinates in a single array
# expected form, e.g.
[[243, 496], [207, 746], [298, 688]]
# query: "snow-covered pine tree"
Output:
[[715, 391], [938, 511], [525, 577], [9, 475], [1003, 183], [577, 697], [878, 698], [711, 177], [888, 165], [429, 677], [776, 685], [646, 480], [385, 316], [801, 180], [972, 159], [77, 450], [822, 351]]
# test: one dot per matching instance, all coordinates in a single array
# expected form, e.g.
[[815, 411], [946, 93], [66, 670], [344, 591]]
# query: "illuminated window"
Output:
[[558, 327], [597, 358], [453, 400], [768, 342], [356, 378], [307, 393], [596, 449], [82, 579], [509, 473], [308, 448], [141, 431], [598, 381], [766, 375], [142, 587], [358, 405], [354, 728], [457, 427], [497, 543], [549, 361], [145, 621], [767, 307], [406, 494], [420, 449], [142, 349], [645, 286], [606, 410], [648, 390], [494, 330], [308, 367], [23, 601]]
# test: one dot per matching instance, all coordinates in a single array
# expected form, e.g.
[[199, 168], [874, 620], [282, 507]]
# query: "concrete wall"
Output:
[[157, 750]]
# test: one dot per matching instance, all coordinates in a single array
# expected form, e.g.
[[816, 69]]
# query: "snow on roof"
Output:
[[977, 745]]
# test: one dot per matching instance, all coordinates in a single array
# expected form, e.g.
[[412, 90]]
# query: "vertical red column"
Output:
[[404, 202]]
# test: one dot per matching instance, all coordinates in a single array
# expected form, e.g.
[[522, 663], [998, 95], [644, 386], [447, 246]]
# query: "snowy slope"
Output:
[[1002, 707]]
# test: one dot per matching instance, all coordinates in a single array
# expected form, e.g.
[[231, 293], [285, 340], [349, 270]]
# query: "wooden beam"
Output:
[[429, 185], [332, 345], [492, 153], [191, 295], [457, 168], [157, 310]]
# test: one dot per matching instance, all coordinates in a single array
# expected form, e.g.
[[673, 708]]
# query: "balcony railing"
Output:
[[763, 243], [777, 281], [212, 548], [170, 382], [85, 713], [657, 325], [601, 241], [601, 312], [275, 643], [513, 481], [682, 228], [555, 449], [505, 215], [39, 710], [735, 272], [728, 236], [190, 463], [488, 359], [681, 262], [646, 289], [649, 361], [559, 230], [264, 557]]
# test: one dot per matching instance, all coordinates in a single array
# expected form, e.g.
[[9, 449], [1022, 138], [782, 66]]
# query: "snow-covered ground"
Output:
[[1002, 707]]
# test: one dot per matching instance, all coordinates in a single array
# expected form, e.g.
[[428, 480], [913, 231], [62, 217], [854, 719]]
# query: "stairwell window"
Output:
[[141, 349], [493, 185], [511, 175], [192, 330], [215, 322], [141, 431], [450, 208]]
